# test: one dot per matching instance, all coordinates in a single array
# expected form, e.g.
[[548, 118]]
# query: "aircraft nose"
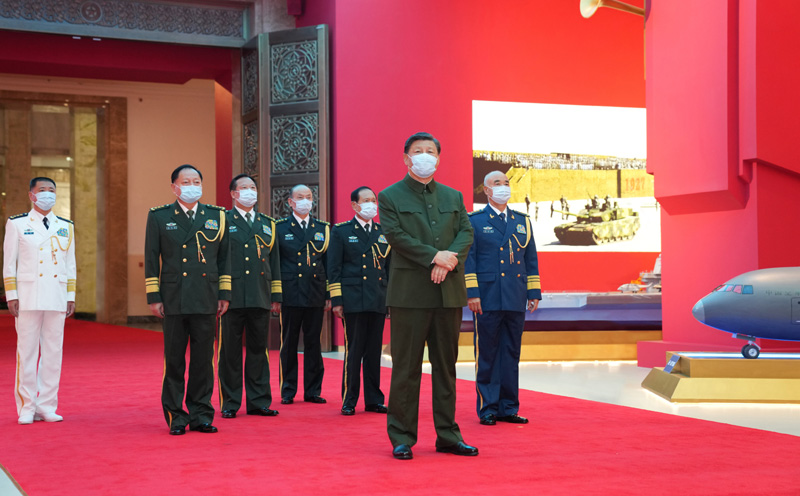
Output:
[[699, 312]]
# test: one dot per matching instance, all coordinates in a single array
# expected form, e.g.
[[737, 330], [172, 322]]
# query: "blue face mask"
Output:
[[45, 200], [424, 165], [247, 197], [302, 207], [190, 194]]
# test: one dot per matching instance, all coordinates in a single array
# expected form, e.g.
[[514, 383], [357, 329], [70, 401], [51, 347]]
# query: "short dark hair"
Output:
[[422, 137], [178, 170], [356, 192], [233, 185], [37, 179]]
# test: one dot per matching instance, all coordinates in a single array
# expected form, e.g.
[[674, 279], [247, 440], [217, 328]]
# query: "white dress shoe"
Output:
[[48, 417], [25, 419]]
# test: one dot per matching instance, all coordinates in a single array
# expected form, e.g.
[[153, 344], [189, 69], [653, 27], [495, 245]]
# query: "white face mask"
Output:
[[303, 207], [190, 194], [424, 165], [368, 210], [45, 200], [247, 197], [501, 194]]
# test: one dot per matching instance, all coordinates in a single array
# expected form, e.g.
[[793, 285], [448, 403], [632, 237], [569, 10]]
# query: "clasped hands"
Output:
[[444, 261]]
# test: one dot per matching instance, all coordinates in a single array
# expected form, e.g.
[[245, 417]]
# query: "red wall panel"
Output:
[[401, 66]]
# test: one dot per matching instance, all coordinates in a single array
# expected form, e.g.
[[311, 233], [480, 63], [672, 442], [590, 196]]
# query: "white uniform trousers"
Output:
[[36, 388]]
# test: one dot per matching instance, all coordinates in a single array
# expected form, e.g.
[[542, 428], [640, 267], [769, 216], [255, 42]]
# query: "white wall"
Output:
[[168, 125]]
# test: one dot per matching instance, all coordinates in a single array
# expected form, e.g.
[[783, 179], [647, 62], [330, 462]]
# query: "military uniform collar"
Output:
[[252, 212], [179, 206], [497, 212], [37, 217], [362, 223], [307, 220], [418, 186]]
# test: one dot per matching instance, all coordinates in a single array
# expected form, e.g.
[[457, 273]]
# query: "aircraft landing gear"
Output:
[[750, 350]]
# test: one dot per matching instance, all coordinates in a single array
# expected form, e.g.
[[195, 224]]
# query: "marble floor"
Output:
[[618, 383]]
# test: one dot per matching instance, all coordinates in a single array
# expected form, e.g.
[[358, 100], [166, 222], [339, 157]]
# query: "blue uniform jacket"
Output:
[[501, 267]]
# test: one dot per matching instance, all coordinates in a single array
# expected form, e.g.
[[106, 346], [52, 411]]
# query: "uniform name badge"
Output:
[[232, 229], [382, 239], [28, 231], [488, 229], [171, 226], [520, 229], [267, 230], [319, 236], [353, 239], [289, 236], [63, 232], [211, 224]]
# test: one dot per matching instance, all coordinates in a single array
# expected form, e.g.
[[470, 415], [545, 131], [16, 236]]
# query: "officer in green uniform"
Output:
[[303, 241], [255, 290], [358, 261], [428, 228], [188, 283]]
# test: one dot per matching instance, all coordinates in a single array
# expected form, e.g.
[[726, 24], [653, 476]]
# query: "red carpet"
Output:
[[114, 441]]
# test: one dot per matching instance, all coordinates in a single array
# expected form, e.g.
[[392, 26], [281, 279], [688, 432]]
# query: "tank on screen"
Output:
[[758, 304], [600, 222]]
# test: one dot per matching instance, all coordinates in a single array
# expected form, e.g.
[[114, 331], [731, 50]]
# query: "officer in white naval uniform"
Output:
[[39, 278]]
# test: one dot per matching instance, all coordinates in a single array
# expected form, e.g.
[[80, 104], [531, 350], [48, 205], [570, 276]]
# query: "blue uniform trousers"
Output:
[[498, 339]]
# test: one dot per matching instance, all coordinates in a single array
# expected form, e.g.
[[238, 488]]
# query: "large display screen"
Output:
[[578, 171]]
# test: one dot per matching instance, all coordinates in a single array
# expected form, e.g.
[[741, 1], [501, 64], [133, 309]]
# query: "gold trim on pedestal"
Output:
[[727, 380]]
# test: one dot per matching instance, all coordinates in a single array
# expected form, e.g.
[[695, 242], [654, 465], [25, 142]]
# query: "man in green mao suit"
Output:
[[188, 282], [255, 290], [430, 234]]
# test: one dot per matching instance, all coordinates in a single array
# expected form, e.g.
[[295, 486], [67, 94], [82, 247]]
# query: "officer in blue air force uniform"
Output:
[[502, 276]]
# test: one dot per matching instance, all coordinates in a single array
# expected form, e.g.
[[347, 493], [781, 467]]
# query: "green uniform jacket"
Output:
[[358, 267], [419, 220], [255, 261], [192, 278]]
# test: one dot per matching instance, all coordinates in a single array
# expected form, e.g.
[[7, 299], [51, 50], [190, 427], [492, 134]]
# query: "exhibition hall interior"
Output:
[[649, 146]]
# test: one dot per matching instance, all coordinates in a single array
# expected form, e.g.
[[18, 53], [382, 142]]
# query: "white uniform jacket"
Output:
[[38, 263]]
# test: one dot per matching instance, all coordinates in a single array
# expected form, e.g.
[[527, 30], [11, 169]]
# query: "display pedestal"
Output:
[[700, 377]]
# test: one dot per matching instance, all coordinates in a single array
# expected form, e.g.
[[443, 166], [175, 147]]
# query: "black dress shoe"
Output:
[[489, 419], [204, 428], [228, 414], [513, 419], [461, 448], [376, 408], [402, 452], [264, 412], [315, 399], [287, 401], [346, 410], [178, 431]]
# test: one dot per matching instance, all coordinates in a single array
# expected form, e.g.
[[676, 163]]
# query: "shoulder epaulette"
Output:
[[215, 207], [65, 220], [265, 216], [19, 215], [161, 207], [518, 212], [284, 219], [475, 212], [342, 223], [323, 222]]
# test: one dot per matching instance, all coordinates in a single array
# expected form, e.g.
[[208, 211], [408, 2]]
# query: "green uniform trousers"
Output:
[[198, 331], [411, 329], [254, 323]]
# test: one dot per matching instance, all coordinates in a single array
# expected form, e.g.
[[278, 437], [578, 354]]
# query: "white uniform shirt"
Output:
[[39, 264]]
